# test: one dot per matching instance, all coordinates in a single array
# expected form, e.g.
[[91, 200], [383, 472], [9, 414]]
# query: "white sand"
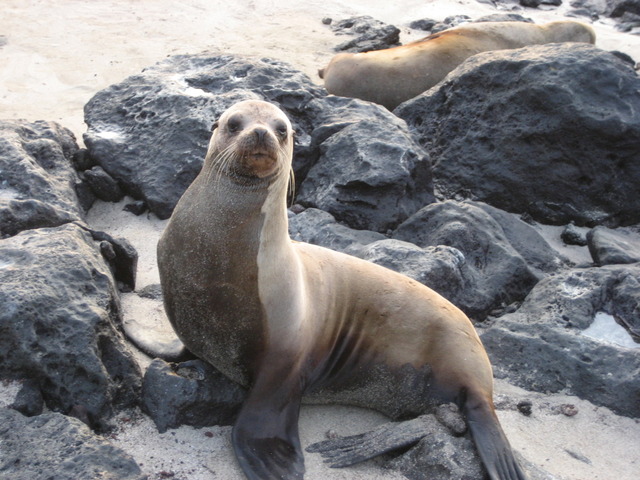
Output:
[[58, 54]]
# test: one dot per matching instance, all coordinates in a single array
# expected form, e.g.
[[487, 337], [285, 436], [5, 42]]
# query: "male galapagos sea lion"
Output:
[[392, 76], [288, 319]]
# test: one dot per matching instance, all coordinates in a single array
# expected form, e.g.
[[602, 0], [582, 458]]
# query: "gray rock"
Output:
[[370, 34], [37, 179], [440, 456], [617, 8], [29, 400], [59, 322], [103, 185], [571, 235], [55, 447], [552, 131], [543, 347], [119, 254], [189, 393], [370, 175], [526, 240], [504, 17], [494, 273], [320, 228], [151, 131], [425, 24], [608, 246], [450, 22], [441, 268], [597, 7]]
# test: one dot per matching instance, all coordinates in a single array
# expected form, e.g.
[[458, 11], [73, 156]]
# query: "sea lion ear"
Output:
[[214, 126]]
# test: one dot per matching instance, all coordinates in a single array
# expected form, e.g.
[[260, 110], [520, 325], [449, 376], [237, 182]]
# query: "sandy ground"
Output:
[[56, 55]]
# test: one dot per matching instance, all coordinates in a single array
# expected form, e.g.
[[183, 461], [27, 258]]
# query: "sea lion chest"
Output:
[[207, 259]]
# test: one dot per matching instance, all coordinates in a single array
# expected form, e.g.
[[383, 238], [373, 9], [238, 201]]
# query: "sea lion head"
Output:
[[569, 31], [252, 143]]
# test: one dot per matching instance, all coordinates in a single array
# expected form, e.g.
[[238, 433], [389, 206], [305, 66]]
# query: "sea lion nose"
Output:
[[260, 133]]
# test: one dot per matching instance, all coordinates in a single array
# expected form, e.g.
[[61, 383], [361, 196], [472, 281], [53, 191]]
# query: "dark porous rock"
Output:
[[626, 309], [29, 400], [608, 246], [103, 185], [320, 228], [438, 267], [526, 240], [59, 322], [572, 235], [137, 207], [370, 34], [119, 254], [55, 447], [440, 456], [550, 130], [617, 8], [594, 7], [189, 393], [370, 175], [37, 178], [495, 274], [530, 3], [151, 131], [450, 22], [504, 17], [627, 22], [549, 344], [153, 291], [425, 24], [82, 160]]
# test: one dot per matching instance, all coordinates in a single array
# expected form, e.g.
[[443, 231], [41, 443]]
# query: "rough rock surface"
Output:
[[151, 131], [37, 180], [370, 175], [55, 447], [189, 393], [58, 322], [542, 346], [609, 246], [549, 130], [494, 273], [321, 228], [370, 34]]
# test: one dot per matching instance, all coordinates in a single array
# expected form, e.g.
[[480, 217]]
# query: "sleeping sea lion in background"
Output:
[[392, 76], [289, 319]]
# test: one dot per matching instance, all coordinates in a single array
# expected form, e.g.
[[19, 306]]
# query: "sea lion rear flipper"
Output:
[[265, 436], [492, 444], [344, 451]]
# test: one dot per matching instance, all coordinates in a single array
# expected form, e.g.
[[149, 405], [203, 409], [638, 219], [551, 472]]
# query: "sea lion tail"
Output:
[[321, 72], [492, 444]]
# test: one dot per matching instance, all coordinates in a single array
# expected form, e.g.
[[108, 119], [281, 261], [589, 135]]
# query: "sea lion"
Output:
[[392, 76], [288, 319]]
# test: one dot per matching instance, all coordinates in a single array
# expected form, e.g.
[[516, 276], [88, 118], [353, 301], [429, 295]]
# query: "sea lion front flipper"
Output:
[[265, 436], [491, 442], [345, 451]]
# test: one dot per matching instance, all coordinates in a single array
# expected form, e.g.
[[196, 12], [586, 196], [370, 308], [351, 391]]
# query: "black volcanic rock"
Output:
[[37, 180], [551, 130]]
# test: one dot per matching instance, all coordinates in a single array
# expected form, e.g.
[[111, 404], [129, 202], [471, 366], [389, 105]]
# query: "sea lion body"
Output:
[[290, 319], [392, 76]]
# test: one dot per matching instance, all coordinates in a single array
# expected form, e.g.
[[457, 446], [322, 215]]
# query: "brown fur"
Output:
[[289, 319], [390, 77]]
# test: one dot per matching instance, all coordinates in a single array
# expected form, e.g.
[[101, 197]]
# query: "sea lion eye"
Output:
[[234, 125], [281, 129]]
